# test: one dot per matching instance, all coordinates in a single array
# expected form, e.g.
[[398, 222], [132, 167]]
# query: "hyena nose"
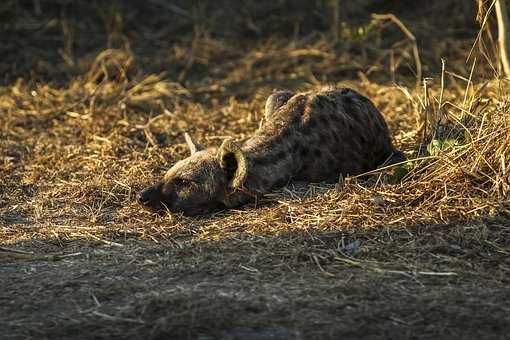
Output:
[[145, 196]]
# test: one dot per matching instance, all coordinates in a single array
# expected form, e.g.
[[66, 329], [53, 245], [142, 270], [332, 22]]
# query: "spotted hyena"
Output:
[[311, 136]]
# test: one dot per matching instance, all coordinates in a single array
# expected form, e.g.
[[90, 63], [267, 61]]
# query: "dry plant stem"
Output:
[[410, 36], [482, 26], [426, 115], [441, 93], [503, 35], [469, 83], [17, 251]]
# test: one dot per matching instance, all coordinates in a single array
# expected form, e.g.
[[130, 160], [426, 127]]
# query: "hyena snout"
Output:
[[150, 197]]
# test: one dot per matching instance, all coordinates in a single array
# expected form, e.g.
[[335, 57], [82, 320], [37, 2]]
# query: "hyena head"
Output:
[[201, 183]]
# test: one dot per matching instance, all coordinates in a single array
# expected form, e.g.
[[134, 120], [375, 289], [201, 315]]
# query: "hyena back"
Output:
[[311, 136]]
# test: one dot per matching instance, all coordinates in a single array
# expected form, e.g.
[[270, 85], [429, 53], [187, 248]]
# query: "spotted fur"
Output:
[[312, 136]]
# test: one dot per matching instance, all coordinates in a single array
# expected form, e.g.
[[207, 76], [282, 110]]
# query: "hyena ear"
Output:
[[275, 101], [191, 145], [233, 161]]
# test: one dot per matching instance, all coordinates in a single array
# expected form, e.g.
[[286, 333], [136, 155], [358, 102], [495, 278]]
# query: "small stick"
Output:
[[11, 250], [469, 83], [479, 35], [110, 243], [503, 35], [117, 318], [441, 93]]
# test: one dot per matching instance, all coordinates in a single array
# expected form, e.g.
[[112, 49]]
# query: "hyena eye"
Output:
[[181, 182]]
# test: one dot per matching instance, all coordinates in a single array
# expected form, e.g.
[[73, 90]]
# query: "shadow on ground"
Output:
[[444, 281]]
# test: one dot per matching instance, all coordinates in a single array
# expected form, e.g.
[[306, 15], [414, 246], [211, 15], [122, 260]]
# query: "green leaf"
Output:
[[434, 147], [399, 173]]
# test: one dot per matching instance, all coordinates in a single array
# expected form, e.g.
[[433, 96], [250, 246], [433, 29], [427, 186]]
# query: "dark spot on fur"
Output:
[[333, 159], [303, 151], [312, 122], [296, 120], [323, 119], [345, 91], [352, 168], [367, 165], [365, 138], [304, 167], [266, 159], [347, 129], [335, 116], [281, 181], [306, 129], [335, 135], [295, 147], [348, 102], [318, 152], [261, 161], [338, 151], [326, 101], [270, 158], [351, 106], [323, 138], [263, 183], [281, 155]]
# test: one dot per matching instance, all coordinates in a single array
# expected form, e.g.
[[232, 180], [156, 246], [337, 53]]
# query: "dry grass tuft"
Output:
[[76, 156]]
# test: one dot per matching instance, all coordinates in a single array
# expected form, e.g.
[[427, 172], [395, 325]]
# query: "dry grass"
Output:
[[76, 157]]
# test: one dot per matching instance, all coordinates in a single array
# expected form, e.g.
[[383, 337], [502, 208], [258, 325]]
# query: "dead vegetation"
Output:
[[78, 143]]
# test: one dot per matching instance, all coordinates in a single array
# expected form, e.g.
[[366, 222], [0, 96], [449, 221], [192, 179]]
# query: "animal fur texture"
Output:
[[311, 136]]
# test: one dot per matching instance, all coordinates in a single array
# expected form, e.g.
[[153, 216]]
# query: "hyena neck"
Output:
[[270, 164]]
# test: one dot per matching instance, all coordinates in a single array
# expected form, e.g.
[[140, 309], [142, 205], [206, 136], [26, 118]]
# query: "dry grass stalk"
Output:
[[90, 178], [410, 36], [503, 35], [78, 154]]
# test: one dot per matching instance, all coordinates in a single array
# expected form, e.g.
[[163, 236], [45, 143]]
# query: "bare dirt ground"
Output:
[[94, 100], [424, 282]]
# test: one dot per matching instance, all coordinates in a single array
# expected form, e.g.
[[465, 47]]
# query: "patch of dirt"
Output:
[[421, 283]]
